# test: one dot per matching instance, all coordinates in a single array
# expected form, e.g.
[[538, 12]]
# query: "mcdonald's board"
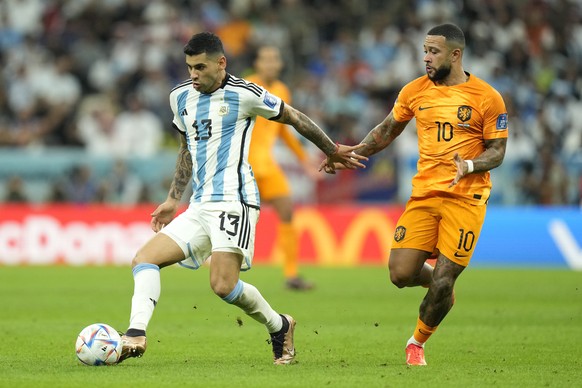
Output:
[[100, 234], [335, 235]]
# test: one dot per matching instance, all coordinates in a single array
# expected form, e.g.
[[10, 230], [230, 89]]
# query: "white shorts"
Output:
[[214, 227]]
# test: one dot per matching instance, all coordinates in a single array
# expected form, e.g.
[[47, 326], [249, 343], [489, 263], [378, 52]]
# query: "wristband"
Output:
[[470, 166], [336, 148]]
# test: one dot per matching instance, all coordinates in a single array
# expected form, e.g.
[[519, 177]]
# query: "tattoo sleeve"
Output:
[[492, 156], [183, 172], [308, 129], [382, 135]]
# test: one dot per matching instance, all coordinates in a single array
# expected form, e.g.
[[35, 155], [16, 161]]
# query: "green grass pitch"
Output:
[[509, 327]]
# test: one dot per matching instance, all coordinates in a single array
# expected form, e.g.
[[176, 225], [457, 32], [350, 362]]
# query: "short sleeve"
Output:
[[495, 124], [266, 105], [402, 111], [178, 106]]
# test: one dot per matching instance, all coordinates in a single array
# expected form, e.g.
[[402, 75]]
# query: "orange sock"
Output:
[[422, 332], [287, 241]]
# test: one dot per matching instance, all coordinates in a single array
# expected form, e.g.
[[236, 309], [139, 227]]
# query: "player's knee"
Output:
[[399, 278], [139, 258], [221, 288]]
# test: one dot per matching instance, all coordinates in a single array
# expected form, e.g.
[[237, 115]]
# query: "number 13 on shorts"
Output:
[[229, 223]]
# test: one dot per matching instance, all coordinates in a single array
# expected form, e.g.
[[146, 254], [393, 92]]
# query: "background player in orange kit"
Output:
[[273, 185], [462, 134]]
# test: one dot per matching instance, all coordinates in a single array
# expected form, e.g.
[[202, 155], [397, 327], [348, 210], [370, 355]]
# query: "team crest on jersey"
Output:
[[502, 121], [270, 100], [223, 109], [399, 233], [464, 113]]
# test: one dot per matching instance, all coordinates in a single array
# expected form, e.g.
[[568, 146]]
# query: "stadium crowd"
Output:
[[88, 73]]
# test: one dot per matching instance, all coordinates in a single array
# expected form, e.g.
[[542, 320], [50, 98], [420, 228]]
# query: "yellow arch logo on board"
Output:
[[348, 249]]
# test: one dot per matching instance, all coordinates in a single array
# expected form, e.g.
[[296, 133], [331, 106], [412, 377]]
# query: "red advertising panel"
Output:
[[100, 234]]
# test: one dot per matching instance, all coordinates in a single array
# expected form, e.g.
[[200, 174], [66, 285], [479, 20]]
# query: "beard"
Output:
[[441, 73]]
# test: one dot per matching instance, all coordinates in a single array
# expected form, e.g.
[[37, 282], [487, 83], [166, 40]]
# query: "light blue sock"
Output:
[[249, 299]]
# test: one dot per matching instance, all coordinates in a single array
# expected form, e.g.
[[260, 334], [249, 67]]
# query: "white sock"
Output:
[[249, 299], [146, 294], [414, 341]]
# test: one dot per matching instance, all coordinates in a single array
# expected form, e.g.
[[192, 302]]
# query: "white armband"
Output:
[[470, 166]]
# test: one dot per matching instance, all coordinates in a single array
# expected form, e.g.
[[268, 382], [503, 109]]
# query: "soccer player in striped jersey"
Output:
[[462, 134], [215, 112]]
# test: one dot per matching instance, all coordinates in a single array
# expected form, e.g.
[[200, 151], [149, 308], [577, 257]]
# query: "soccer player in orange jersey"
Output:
[[461, 123], [273, 186]]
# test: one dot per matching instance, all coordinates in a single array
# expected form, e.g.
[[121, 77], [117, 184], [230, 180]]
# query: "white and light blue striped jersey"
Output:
[[218, 129]]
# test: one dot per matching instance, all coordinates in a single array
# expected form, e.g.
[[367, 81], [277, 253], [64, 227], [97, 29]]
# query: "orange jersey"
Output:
[[449, 120], [266, 132]]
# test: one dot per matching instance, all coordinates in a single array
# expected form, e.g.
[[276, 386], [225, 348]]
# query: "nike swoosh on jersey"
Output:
[[425, 107]]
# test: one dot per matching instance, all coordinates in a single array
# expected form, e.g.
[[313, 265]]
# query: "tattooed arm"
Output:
[[382, 135], [490, 158], [167, 210], [375, 141], [183, 172], [307, 128]]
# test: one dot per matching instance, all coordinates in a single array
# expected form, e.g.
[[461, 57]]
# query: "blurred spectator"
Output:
[[95, 124], [528, 184], [15, 191], [234, 29], [57, 192], [553, 183], [79, 186], [153, 90], [24, 16], [134, 132], [122, 186]]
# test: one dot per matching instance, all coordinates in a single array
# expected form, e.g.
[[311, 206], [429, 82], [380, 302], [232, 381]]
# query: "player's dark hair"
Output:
[[257, 50], [204, 42], [451, 32]]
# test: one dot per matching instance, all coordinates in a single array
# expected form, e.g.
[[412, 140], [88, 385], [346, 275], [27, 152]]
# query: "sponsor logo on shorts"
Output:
[[457, 254], [399, 233]]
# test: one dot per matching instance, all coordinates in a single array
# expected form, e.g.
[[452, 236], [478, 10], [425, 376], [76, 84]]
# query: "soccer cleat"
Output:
[[132, 347], [415, 355], [283, 346], [298, 284]]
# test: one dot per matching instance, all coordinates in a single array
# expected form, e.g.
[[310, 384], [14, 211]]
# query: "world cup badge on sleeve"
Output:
[[502, 121]]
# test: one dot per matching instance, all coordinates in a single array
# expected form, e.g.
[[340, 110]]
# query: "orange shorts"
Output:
[[272, 183], [450, 225]]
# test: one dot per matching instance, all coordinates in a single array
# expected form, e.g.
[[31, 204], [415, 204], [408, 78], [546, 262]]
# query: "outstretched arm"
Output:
[[307, 128], [375, 141], [382, 135], [167, 210], [490, 158]]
